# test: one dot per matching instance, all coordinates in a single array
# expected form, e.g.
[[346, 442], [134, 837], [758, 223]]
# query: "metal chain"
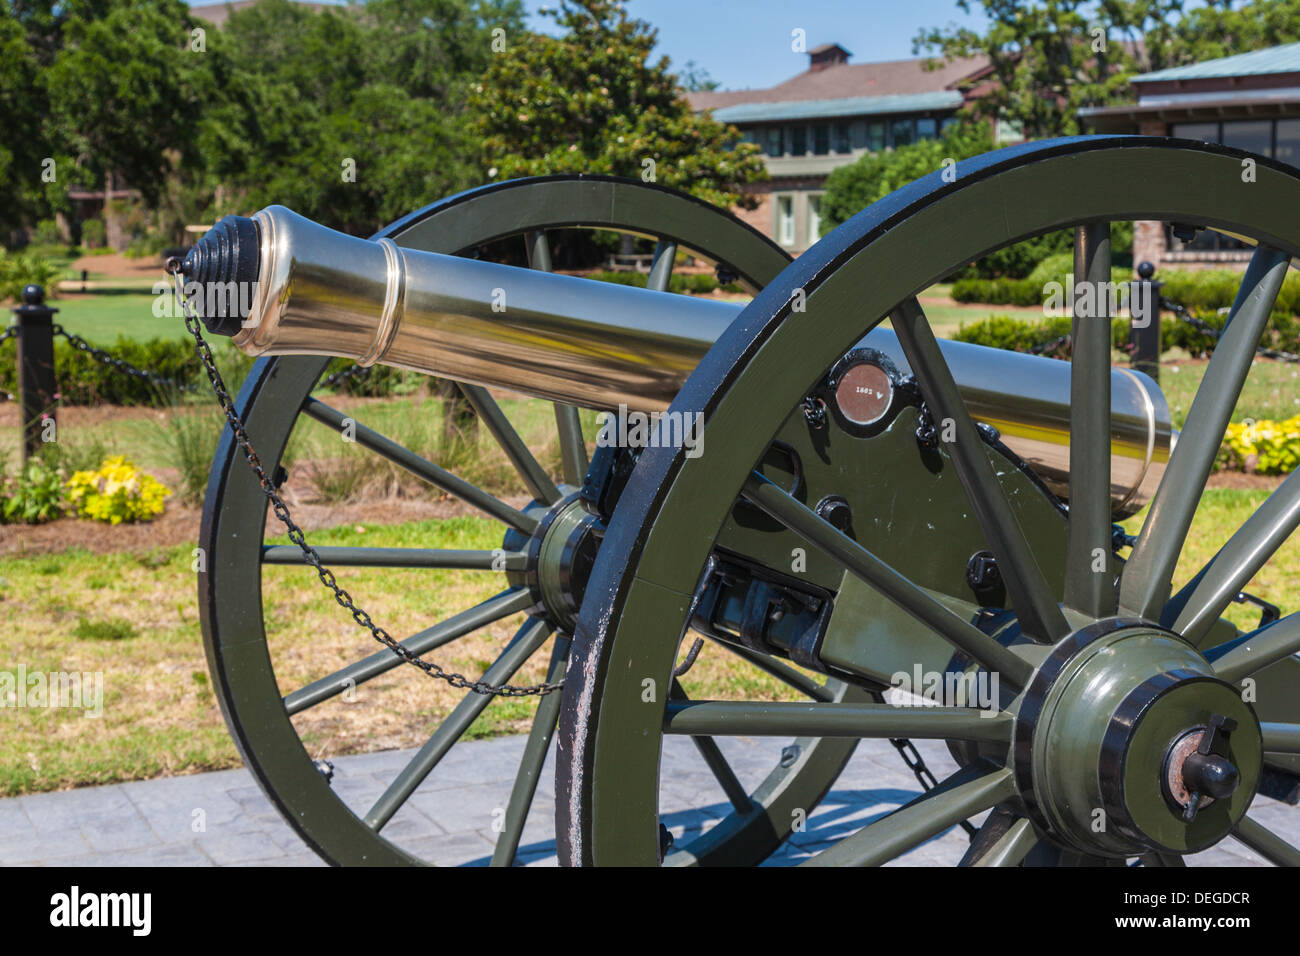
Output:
[[1180, 312], [342, 374], [8, 333], [1051, 346], [295, 533], [99, 355], [916, 763]]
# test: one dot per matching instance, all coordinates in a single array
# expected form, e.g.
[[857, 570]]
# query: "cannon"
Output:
[[826, 501]]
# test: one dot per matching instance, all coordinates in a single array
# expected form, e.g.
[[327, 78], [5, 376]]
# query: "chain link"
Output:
[[1180, 312], [916, 763], [8, 333], [343, 374], [99, 355], [295, 533]]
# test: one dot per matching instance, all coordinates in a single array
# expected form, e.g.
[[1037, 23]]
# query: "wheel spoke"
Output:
[[528, 639], [1254, 651], [1204, 599], [964, 794], [718, 764], [530, 765], [1031, 597], [824, 536], [1266, 843], [661, 272], [1281, 738], [494, 609], [533, 474], [1145, 585], [398, 558], [781, 671], [1004, 840], [1089, 566], [743, 718], [573, 449], [420, 467]]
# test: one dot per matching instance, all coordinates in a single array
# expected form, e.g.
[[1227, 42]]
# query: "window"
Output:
[[798, 140], [1205, 132], [821, 139], [948, 121], [842, 140], [785, 220], [814, 218], [876, 137], [859, 128], [775, 147], [1255, 136], [926, 128], [1287, 149], [903, 132]]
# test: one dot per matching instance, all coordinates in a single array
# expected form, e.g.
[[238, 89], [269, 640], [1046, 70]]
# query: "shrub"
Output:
[[1264, 447], [34, 496], [46, 233], [93, 234], [116, 492], [17, 271], [83, 380], [1004, 332]]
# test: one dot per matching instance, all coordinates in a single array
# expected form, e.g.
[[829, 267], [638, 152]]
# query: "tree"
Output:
[[592, 101], [1051, 58], [122, 98]]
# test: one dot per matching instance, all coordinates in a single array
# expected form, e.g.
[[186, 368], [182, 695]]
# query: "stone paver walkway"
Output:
[[222, 819]]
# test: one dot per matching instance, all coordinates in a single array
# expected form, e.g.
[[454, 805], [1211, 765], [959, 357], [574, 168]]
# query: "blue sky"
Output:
[[746, 43]]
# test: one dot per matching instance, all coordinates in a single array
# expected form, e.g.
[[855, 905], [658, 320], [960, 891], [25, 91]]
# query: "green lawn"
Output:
[[102, 317]]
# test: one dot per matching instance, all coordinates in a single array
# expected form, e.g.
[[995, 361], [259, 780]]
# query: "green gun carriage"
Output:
[[833, 503]]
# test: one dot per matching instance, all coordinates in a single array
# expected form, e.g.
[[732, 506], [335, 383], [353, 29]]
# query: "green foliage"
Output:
[[103, 629], [592, 101], [33, 496], [1051, 58], [1016, 335], [93, 234], [1263, 447], [700, 283], [854, 187], [84, 381], [17, 271]]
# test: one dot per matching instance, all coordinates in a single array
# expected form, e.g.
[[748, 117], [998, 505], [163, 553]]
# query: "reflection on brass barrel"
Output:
[[601, 345]]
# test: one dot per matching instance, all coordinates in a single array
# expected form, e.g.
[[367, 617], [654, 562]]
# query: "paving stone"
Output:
[[448, 820]]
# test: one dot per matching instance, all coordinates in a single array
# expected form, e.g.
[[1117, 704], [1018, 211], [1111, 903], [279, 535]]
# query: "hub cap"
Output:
[[1109, 739]]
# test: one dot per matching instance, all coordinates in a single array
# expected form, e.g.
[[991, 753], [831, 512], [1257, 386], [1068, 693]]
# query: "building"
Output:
[[830, 115], [1250, 101]]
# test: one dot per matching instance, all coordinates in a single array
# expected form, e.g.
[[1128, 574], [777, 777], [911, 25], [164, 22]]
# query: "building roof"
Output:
[[1276, 59], [847, 81], [843, 106], [216, 13]]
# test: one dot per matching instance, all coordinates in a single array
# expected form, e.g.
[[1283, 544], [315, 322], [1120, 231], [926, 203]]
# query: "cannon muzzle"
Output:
[[280, 284]]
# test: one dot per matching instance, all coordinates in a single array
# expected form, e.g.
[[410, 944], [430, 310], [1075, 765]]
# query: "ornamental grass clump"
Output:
[[116, 492]]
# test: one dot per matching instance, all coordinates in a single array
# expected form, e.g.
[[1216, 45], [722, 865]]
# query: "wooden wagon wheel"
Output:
[[276, 396], [1122, 698]]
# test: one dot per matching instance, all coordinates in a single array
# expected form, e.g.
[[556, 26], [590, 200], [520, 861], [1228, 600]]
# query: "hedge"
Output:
[[83, 380], [696, 284]]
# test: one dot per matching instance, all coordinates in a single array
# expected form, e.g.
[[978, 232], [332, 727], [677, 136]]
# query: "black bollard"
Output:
[[1144, 328], [36, 382]]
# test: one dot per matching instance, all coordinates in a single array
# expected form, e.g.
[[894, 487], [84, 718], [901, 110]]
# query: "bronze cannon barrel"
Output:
[[311, 290]]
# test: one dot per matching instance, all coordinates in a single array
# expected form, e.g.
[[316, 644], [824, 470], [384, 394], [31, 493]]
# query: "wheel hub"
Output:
[[561, 553], [1126, 743]]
